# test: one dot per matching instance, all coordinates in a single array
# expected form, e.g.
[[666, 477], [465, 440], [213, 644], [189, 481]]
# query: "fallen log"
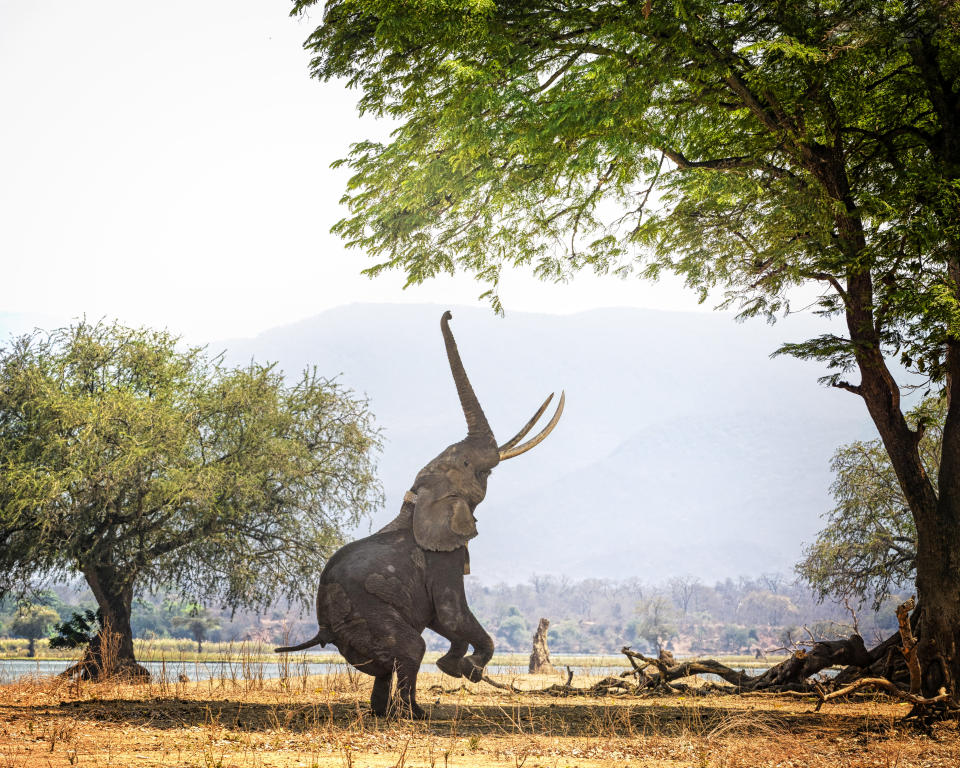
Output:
[[790, 674], [795, 676]]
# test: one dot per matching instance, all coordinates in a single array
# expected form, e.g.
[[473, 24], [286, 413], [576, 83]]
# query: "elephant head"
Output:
[[447, 490]]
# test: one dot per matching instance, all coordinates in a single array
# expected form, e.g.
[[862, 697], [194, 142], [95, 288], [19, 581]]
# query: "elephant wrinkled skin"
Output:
[[378, 594]]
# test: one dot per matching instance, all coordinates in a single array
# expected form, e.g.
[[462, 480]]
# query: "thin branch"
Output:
[[855, 388], [883, 684]]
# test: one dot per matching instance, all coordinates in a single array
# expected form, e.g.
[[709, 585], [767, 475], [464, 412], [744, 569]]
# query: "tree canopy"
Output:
[[749, 147], [719, 140], [138, 463]]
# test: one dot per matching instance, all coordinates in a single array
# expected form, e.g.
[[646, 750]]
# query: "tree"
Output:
[[747, 146], [868, 548], [143, 465], [33, 622], [656, 623], [763, 607], [198, 622], [513, 628], [684, 591]]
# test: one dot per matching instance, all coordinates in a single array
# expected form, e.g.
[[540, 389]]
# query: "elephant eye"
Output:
[[466, 463]]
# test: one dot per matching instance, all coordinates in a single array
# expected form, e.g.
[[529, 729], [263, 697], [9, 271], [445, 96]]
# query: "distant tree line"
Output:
[[153, 617], [681, 614]]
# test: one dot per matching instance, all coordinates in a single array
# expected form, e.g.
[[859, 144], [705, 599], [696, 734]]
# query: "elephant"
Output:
[[378, 594]]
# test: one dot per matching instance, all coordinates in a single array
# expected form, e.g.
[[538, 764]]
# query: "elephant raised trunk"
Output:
[[478, 429], [477, 426]]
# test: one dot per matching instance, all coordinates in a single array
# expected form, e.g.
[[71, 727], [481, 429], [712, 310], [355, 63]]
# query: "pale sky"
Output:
[[167, 163]]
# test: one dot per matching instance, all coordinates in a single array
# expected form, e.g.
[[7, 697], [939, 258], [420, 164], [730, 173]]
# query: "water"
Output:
[[14, 669], [315, 664]]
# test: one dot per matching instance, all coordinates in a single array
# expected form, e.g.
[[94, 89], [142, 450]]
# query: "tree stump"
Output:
[[540, 658]]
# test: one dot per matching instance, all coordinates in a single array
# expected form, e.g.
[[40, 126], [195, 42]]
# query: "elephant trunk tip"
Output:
[[477, 425]]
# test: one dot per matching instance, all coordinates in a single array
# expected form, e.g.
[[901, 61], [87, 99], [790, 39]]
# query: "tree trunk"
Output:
[[31, 647], [110, 653], [540, 658], [936, 514], [936, 511], [938, 589]]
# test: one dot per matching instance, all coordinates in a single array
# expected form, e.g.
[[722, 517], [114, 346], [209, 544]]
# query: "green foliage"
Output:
[[760, 606], [197, 622], [750, 146], [33, 621], [738, 638], [868, 548], [77, 631], [131, 460], [514, 629]]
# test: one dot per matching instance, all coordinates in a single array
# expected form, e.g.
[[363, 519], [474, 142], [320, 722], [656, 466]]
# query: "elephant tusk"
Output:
[[526, 427], [511, 452]]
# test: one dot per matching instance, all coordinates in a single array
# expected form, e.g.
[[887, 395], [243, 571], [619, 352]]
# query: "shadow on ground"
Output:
[[549, 718]]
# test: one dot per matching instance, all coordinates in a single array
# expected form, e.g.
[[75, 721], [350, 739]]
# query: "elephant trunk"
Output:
[[477, 426]]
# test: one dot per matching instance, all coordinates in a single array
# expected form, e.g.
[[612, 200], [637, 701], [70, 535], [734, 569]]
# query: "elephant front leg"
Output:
[[462, 629], [449, 663]]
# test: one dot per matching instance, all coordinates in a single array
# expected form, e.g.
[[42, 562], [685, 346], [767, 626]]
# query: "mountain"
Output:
[[683, 449]]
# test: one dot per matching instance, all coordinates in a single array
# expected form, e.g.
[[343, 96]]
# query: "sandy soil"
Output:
[[309, 722]]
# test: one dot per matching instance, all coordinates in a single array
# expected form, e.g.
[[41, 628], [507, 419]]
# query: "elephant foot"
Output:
[[450, 665], [470, 670], [415, 712]]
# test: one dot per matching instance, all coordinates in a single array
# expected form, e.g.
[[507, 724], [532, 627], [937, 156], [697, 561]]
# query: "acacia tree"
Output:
[[747, 146], [140, 464], [868, 548], [198, 622]]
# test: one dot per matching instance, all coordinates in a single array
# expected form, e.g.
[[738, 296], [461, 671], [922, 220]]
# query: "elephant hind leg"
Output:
[[408, 649], [363, 663], [380, 698], [407, 670], [389, 645]]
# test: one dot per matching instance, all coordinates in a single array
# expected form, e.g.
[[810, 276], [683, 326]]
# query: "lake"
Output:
[[315, 664]]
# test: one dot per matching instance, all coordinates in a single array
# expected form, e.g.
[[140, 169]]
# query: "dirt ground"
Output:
[[317, 721]]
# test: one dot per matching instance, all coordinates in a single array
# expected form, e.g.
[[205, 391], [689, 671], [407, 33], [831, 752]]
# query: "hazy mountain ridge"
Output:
[[683, 449]]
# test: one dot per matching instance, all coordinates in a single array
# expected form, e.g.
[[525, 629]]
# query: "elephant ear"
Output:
[[442, 524]]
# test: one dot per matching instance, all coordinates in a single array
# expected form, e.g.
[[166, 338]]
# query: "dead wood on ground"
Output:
[[888, 667]]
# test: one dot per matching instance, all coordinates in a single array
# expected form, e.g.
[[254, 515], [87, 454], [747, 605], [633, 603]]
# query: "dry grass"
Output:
[[313, 721]]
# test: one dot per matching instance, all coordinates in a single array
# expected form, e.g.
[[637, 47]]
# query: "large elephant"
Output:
[[378, 594]]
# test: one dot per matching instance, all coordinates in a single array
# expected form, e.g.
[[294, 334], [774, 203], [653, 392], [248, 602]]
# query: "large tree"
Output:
[[138, 463], [749, 146]]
